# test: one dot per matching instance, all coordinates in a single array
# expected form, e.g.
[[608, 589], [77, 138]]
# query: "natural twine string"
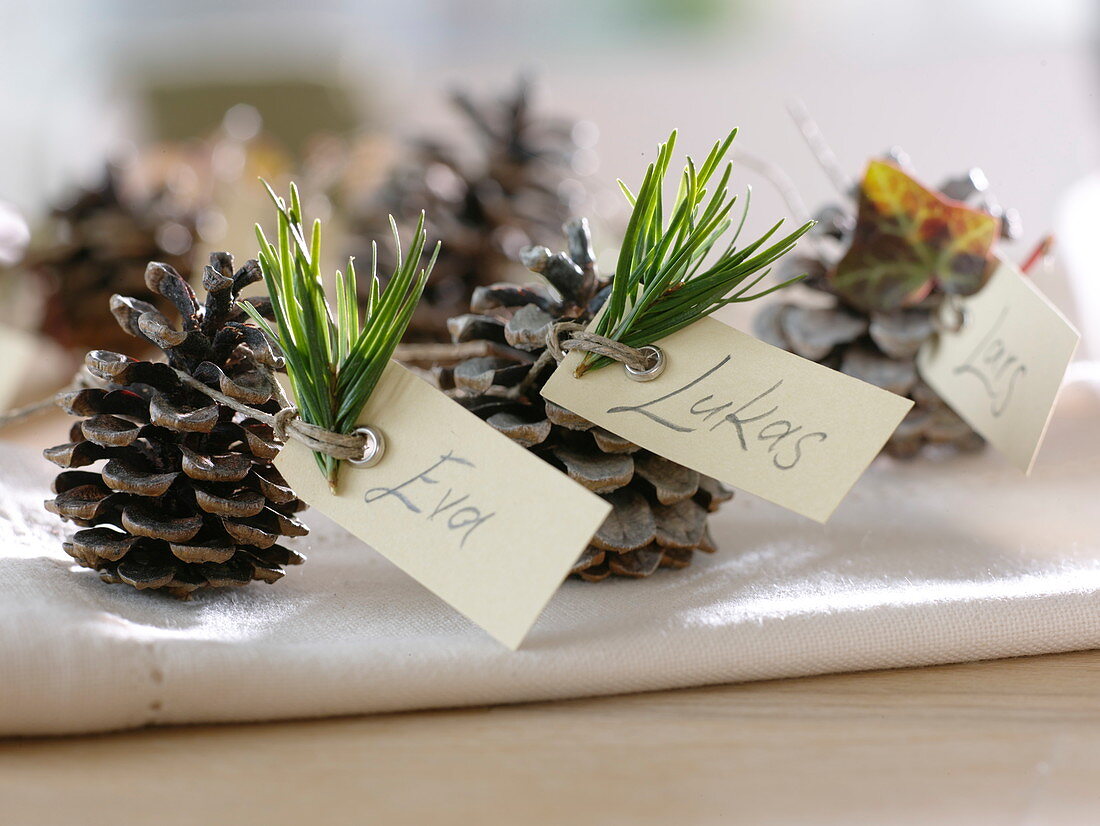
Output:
[[79, 382], [959, 316], [588, 342], [288, 424]]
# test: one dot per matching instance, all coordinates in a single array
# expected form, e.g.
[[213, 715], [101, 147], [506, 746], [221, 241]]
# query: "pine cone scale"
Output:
[[109, 431], [123, 478], [213, 551], [143, 520]]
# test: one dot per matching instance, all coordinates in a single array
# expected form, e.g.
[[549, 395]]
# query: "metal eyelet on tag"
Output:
[[959, 316], [652, 372], [374, 448]]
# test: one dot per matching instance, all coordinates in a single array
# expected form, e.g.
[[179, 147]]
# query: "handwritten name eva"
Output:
[[415, 495]]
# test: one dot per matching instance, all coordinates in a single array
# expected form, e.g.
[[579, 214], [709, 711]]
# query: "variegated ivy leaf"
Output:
[[909, 240]]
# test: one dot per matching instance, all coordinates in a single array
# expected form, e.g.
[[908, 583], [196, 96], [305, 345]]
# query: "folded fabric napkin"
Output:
[[925, 562]]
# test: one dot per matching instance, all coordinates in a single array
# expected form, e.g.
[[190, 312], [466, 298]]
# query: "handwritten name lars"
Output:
[[458, 506], [1002, 370], [745, 412]]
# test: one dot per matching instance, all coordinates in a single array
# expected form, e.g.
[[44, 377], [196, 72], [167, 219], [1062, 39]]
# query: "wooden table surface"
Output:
[[1004, 742]]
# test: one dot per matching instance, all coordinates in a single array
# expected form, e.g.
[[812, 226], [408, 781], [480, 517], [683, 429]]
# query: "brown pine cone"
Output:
[[186, 497], [485, 208], [660, 508], [98, 244]]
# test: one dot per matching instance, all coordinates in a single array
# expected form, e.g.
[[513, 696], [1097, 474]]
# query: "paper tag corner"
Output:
[[1002, 371]]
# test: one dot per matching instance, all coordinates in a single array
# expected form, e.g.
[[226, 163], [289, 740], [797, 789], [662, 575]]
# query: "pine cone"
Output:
[[187, 497], [484, 211], [660, 507], [878, 348], [871, 343], [96, 245]]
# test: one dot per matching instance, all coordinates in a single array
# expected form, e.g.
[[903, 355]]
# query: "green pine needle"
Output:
[[334, 360], [663, 281]]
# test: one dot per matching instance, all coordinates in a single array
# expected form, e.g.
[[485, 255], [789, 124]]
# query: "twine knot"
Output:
[[287, 424], [578, 338], [282, 421], [953, 317], [344, 446]]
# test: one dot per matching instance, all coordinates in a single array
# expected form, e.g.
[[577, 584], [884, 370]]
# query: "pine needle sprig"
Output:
[[334, 361], [665, 277]]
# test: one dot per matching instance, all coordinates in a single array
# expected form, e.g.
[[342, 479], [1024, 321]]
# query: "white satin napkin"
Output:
[[925, 562]]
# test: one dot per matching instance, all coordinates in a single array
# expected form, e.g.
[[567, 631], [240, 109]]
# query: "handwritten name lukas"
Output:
[[995, 366], [456, 512], [756, 424]]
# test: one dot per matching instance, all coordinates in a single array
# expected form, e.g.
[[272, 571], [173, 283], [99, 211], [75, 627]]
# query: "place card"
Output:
[[483, 523], [1001, 371], [749, 414]]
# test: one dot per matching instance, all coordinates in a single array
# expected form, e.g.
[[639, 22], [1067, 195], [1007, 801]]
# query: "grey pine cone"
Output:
[[877, 347], [660, 508], [881, 349]]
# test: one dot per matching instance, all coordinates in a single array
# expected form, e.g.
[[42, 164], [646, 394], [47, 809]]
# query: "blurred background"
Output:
[[190, 101]]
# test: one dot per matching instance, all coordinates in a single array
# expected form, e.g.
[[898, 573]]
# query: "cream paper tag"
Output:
[[747, 413], [480, 521], [16, 349], [1002, 370]]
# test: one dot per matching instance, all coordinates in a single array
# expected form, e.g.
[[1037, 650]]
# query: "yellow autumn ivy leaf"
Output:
[[909, 240]]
